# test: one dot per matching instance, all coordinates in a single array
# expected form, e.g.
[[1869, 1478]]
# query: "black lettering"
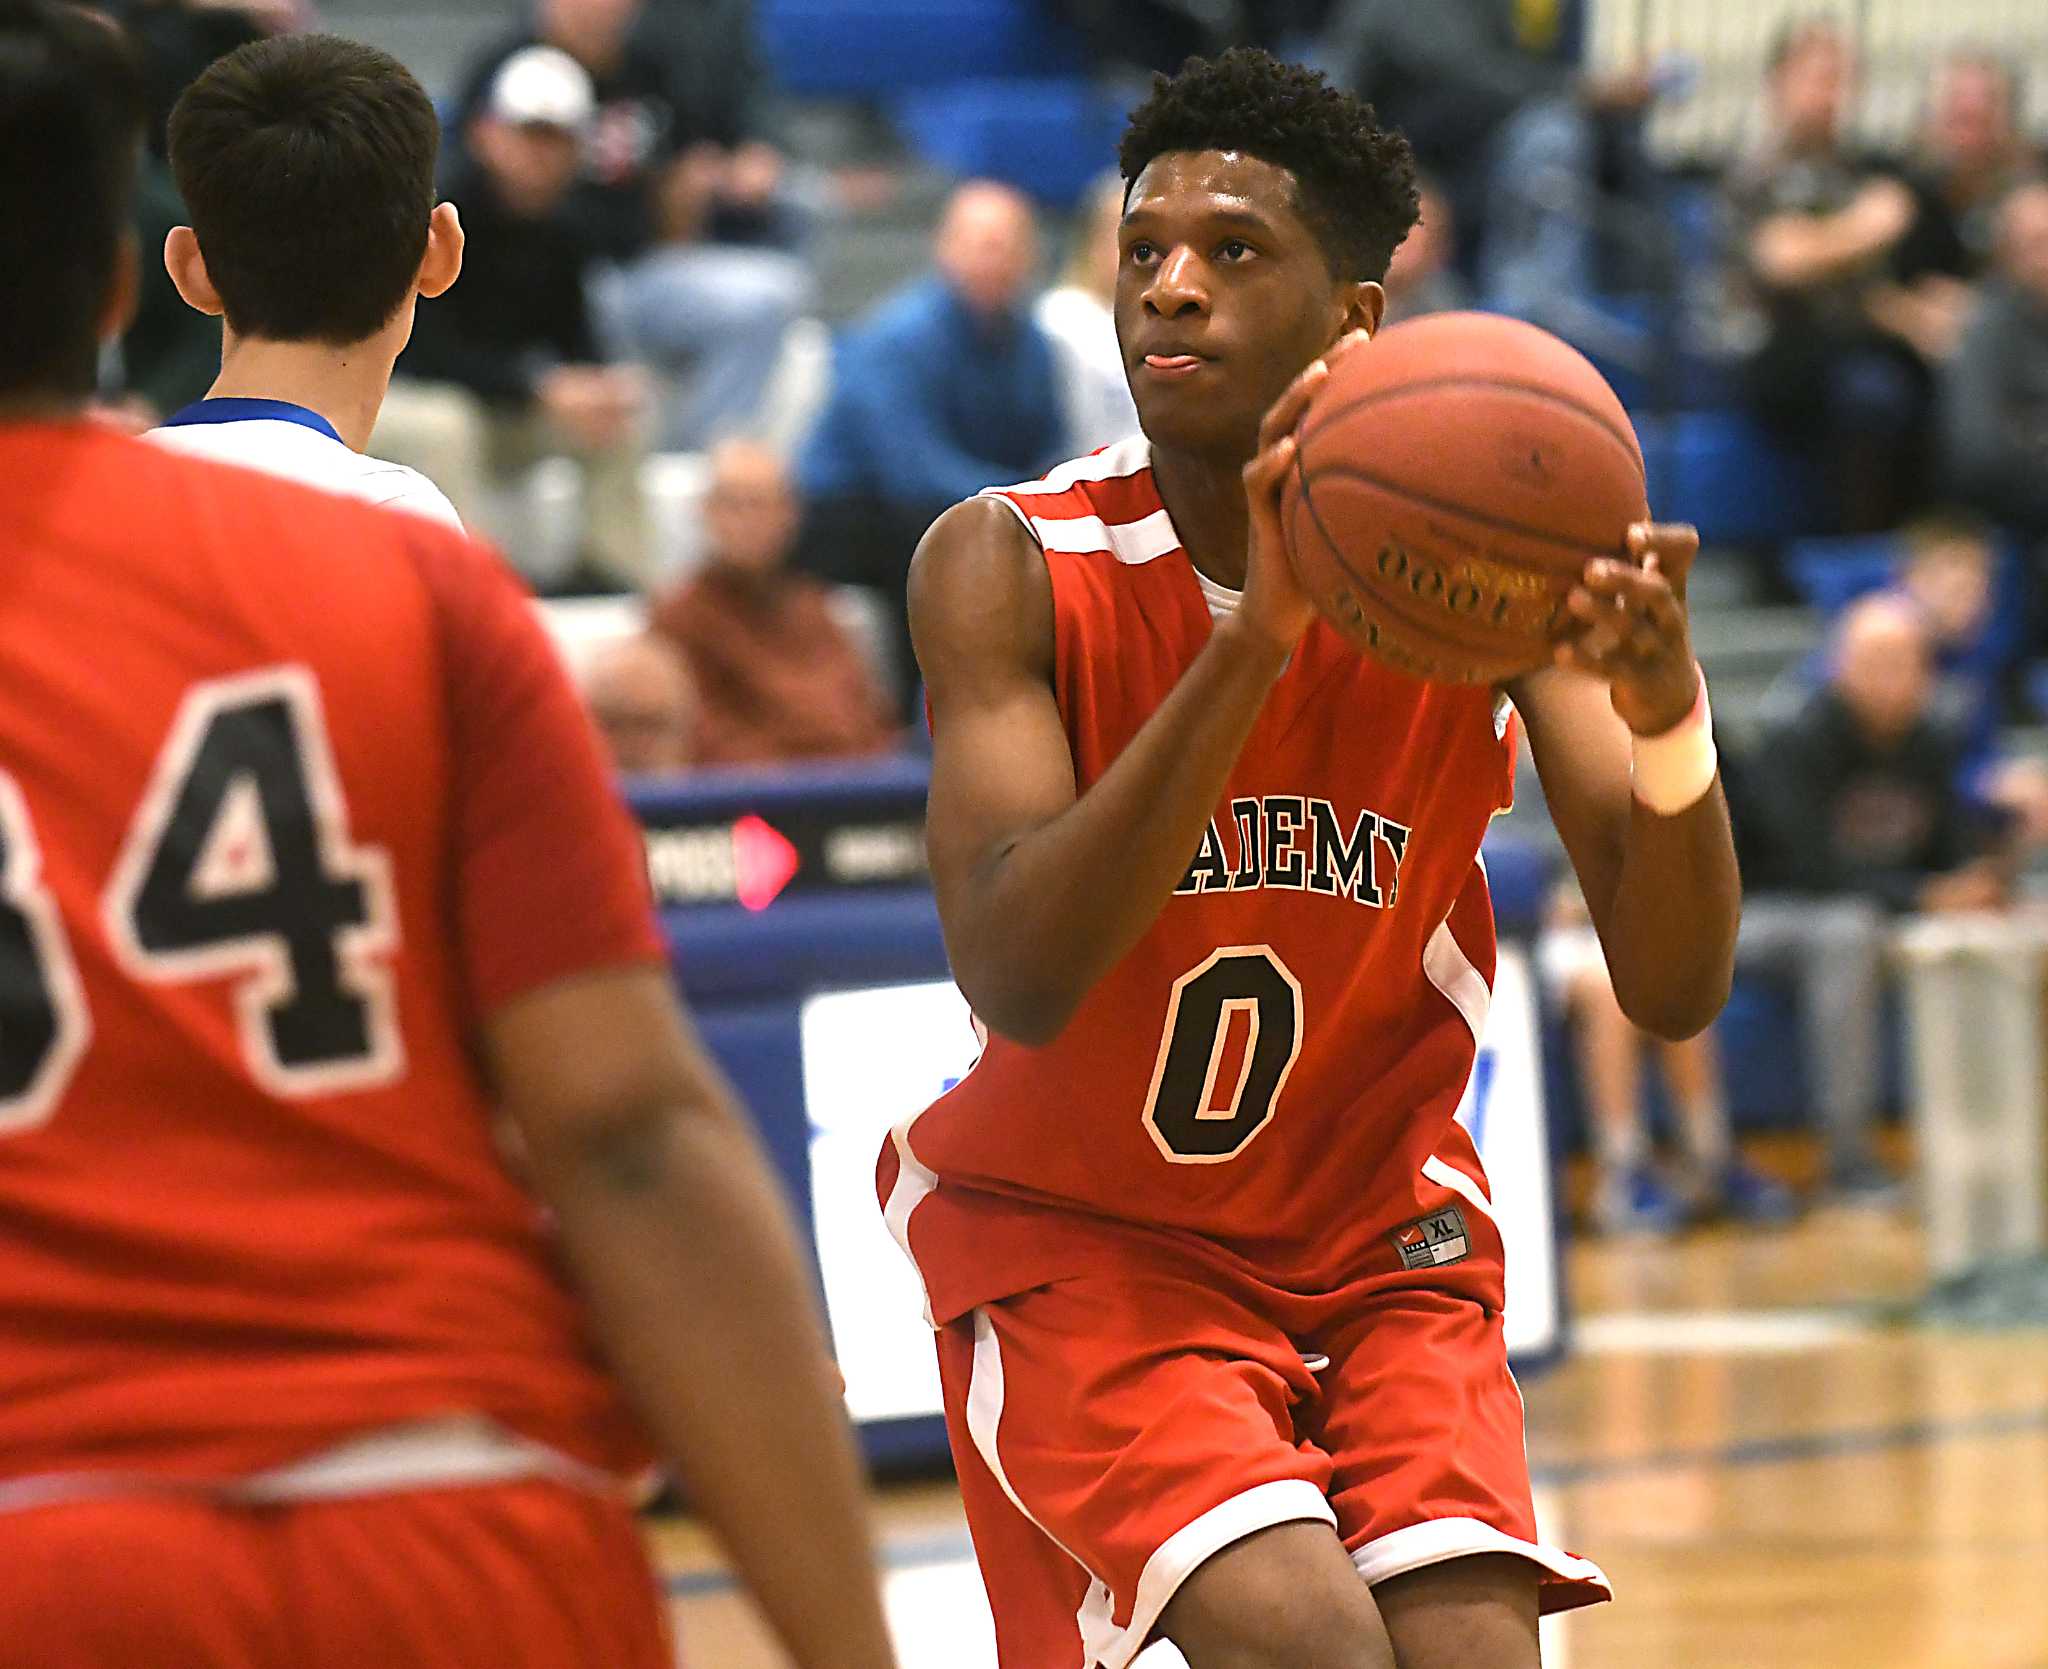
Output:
[[1209, 872], [1341, 866], [1249, 844], [1285, 865], [1396, 837]]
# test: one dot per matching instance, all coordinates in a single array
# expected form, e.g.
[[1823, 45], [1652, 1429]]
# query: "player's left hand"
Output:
[[1626, 624]]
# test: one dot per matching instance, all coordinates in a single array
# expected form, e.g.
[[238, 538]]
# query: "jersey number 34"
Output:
[[237, 866]]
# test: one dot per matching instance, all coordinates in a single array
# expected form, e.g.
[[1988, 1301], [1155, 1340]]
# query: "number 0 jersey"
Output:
[[292, 793], [1275, 1066]]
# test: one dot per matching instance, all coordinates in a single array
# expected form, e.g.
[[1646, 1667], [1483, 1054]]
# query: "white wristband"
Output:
[[1670, 773]]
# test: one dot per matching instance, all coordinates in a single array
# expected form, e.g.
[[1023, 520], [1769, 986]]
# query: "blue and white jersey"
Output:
[[280, 438]]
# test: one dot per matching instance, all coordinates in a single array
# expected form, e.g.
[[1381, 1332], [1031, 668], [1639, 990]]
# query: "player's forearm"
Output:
[[1051, 914], [1670, 929], [687, 1259]]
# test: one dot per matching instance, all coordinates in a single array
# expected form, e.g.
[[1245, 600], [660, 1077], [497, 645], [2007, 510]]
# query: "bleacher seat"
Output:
[[1050, 137], [1722, 471], [876, 49]]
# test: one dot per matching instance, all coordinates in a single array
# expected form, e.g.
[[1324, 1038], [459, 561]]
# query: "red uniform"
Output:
[[1220, 1256], [292, 793]]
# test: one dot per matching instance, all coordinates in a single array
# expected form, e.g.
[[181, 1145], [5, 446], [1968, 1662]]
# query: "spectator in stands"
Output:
[[1995, 398], [1812, 230], [1630, 1194], [663, 172], [1849, 813], [505, 368], [711, 49], [777, 677], [1970, 157], [1422, 278], [948, 387], [1077, 316], [1542, 162], [640, 697]]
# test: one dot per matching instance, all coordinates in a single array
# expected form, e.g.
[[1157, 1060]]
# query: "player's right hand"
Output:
[[1275, 607]]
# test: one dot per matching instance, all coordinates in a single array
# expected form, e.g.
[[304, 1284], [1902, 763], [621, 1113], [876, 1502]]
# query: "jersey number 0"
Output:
[[1199, 1113]]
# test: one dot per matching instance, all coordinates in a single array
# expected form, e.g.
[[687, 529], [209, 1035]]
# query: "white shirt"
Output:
[[1094, 390], [282, 439]]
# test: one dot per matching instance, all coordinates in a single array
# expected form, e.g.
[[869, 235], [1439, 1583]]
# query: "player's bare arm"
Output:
[[1663, 891], [1041, 891], [690, 1268]]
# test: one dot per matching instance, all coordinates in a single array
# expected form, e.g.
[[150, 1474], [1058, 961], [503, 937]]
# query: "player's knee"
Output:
[[1242, 1611], [1328, 1642]]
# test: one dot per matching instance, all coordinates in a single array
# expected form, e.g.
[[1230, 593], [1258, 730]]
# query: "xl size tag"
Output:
[[1432, 1241]]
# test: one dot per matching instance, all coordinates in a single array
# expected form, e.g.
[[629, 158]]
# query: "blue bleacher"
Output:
[[1050, 137], [878, 49], [1723, 471]]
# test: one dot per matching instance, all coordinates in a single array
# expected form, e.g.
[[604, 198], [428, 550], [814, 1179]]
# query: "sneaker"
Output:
[[1637, 1201], [1747, 1196]]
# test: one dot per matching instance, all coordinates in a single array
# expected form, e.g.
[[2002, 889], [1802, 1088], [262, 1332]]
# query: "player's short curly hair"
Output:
[[1356, 179]]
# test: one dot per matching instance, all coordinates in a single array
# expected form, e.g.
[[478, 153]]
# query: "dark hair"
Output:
[[70, 136], [1355, 179], [307, 166]]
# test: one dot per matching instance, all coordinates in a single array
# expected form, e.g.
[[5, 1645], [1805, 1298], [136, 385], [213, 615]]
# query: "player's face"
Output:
[[1223, 294]]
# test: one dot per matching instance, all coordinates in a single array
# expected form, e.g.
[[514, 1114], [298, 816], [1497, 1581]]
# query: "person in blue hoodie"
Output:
[[947, 387]]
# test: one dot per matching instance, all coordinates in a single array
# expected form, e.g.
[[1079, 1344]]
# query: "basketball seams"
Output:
[[1315, 421], [1449, 507]]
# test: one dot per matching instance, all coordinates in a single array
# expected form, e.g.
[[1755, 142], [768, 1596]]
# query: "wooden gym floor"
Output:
[[1775, 1473]]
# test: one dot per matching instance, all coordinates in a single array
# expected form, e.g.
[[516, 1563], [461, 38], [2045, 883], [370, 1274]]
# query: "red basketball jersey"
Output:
[[292, 791], [1274, 1067]]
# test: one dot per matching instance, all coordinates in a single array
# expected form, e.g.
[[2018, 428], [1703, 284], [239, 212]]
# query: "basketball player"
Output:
[[307, 165], [308, 869], [1216, 1281]]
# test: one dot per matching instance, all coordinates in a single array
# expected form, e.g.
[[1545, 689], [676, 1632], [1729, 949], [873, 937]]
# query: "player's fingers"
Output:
[[1268, 465], [1673, 544], [1286, 411]]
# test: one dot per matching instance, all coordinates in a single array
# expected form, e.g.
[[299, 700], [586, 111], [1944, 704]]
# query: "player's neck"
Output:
[[1204, 496], [344, 385]]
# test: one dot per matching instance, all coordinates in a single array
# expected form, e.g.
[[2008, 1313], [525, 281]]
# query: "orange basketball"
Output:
[[1453, 476]]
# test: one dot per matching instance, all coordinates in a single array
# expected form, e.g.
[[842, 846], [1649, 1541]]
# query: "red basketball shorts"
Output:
[[527, 1575], [1113, 1431]]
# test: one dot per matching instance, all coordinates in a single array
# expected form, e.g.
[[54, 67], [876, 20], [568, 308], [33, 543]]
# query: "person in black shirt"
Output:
[[1849, 813], [1970, 156], [506, 368], [665, 175]]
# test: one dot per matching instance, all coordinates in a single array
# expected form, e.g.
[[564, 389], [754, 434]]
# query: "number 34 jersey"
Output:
[[1273, 1069], [293, 794]]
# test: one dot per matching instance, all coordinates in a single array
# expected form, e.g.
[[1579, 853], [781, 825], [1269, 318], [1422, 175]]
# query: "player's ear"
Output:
[[124, 289], [187, 268], [1365, 308], [442, 263]]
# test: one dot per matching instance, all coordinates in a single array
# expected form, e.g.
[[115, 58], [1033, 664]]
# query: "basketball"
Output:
[[1451, 480]]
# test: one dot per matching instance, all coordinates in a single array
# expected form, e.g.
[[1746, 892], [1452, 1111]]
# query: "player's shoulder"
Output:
[[400, 487]]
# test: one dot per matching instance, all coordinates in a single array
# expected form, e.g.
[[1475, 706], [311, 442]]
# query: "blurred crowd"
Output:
[[641, 271]]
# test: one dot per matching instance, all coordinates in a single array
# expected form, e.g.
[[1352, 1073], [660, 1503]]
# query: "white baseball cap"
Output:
[[542, 85]]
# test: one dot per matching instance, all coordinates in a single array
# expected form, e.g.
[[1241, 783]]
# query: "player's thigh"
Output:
[[1472, 1613], [1142, 1419], [172, 1583], [1035, 1588], [524, 1575], [1423, 1424], [1282, 1598]]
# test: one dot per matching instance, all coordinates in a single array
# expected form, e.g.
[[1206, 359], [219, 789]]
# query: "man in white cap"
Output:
[[509, 369], [313, 269]]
